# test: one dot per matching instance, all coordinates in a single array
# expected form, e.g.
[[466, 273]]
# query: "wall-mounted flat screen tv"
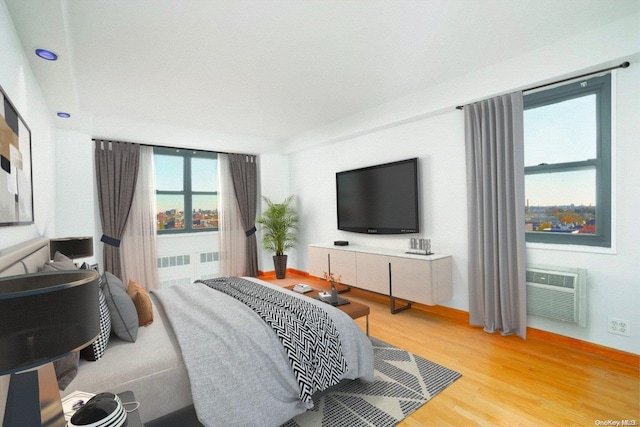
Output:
[[381, 199]]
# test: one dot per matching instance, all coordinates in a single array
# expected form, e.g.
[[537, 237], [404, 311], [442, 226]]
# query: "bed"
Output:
[[237, 375]]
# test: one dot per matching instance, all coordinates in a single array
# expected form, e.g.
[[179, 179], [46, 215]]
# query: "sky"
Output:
[[169, 176], [558, 133]]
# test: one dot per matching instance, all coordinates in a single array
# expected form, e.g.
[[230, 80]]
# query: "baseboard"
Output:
[[271, 274], [266, 275], [624, 357]]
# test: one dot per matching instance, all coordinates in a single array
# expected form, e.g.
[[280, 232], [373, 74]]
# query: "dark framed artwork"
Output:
[[16, 184]]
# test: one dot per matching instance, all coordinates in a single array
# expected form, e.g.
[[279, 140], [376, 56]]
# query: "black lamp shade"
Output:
[[72, 247], [44, 316]]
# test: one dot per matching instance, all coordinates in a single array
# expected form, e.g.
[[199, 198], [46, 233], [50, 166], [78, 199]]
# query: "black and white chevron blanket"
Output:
[[307, 333]]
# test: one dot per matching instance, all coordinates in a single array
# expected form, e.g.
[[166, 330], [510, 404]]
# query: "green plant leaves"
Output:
[[279, 223]]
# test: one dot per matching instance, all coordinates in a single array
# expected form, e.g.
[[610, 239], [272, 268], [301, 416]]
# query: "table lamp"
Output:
[[72, 247], [43, 317]]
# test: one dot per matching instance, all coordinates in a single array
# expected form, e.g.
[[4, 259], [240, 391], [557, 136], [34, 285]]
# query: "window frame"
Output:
[[600, 87], [187, 155]]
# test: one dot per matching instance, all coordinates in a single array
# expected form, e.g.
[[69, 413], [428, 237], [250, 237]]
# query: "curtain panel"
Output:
[[244, 176], [138, 251], [233, 240], [116, 174], [494, 142]]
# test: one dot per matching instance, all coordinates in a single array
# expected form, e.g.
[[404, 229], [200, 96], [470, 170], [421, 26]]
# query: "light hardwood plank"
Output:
[[506, 381]]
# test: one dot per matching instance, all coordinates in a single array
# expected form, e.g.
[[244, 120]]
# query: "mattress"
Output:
[[152, 368]]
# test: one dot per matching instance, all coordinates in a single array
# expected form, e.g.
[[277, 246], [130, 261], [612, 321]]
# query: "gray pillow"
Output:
[[60, 263], [124, 317]]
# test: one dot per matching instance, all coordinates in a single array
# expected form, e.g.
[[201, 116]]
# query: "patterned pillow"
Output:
[[96, 350]]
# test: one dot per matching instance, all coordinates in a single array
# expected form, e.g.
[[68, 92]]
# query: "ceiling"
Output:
[[274, 69]]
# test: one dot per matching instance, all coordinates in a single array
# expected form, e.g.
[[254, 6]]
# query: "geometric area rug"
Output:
[[403, 382]]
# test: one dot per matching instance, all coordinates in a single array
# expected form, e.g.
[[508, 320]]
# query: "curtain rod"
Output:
[[623, 65], [142, 144]]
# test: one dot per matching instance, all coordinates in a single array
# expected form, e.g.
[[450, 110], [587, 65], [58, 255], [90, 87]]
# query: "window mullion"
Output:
[[562, 167], [188, 202]]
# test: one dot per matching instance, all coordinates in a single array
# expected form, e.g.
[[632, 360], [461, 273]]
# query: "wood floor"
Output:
[[506, 381]]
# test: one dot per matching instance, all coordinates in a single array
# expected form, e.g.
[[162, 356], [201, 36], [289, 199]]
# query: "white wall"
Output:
[[438, 143], [273, 183], [426, 126], [442, 184], [20, 86], [77, 212]]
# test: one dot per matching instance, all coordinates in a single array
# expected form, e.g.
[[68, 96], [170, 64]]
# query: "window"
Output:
[[186, 190], [567, 153]]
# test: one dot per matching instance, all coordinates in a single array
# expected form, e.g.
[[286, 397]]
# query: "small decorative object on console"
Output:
[[302, 288], [334, 292], [419, 246]]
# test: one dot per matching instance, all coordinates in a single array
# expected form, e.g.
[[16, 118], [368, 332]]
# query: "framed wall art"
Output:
[[16, 185]]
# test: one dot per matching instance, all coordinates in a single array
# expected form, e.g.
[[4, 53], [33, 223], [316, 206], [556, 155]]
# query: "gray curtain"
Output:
[[494, 141], [116, 174], [245, 184]]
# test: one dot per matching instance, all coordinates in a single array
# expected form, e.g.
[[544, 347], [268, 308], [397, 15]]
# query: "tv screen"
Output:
[[381, 199]]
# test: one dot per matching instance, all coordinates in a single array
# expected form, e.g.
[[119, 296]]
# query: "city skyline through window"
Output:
[[186, 190]]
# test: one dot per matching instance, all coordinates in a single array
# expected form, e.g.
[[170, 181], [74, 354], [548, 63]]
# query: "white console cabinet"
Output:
[[332, 261], [414, 278]]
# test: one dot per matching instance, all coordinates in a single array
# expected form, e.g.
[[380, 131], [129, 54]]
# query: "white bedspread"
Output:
[[239, 372]]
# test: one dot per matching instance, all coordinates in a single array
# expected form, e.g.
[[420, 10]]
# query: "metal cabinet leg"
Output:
[[367, 320], [392, 299], [394, 309]]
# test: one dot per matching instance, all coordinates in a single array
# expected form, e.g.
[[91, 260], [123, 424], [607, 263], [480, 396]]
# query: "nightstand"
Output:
[[133, 418]]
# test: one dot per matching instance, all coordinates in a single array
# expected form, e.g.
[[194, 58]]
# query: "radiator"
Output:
[[558, 293]]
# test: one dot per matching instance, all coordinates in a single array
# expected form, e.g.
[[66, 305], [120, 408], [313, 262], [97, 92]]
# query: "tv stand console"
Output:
[[424, 279]]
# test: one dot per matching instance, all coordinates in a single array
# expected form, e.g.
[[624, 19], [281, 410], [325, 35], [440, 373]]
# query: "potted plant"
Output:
[[279, 223]]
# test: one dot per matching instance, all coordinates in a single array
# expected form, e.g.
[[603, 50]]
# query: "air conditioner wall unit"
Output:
[[558, 293]]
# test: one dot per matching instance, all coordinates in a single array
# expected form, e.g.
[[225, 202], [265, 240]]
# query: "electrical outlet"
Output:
[[619, 326]]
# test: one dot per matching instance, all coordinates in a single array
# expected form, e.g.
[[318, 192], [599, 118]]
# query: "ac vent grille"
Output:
[[553, 304], [551, 279], [557, 293]]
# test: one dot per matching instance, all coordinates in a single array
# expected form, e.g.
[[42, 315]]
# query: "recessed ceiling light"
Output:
[[63, 115], [46, 54]]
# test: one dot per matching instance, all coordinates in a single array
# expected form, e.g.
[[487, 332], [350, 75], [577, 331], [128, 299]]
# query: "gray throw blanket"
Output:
[[307, 333], [239, 372]]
